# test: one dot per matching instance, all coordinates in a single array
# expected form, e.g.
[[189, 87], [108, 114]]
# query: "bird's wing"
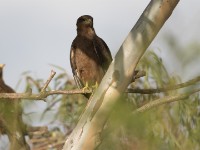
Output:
[[72, 60], [103, 52], [73, 66]]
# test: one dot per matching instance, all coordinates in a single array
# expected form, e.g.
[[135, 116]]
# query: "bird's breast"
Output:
[[89, 68]]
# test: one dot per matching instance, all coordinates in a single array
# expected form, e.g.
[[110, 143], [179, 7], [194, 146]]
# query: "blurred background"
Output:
[[36, 36], [36, 33]]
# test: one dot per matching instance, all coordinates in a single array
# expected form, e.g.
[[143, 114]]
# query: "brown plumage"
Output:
[[11, 118], [90, 57], [3, 87]]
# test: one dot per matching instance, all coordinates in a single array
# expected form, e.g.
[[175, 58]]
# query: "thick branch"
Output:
[[86, 134]]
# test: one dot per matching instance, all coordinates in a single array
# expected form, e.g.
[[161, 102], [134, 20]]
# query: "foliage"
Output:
[[170, 126], [60, 112], [65, 108]]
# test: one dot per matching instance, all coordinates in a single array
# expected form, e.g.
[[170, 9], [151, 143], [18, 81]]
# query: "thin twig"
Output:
[[45, 94], [138, 74], [48, 81], [164, 100], [165, 89]]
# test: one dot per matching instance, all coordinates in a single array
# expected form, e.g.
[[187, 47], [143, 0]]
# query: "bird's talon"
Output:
[[86, 88], [94, 87]]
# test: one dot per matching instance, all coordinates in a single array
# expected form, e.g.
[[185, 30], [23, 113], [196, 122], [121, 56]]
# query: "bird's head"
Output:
[[1, 70], [84, 21], [85, 26]]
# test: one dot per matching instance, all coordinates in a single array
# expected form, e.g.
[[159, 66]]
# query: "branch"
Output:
[[164, 100], [41, 96], [45, 94], [165, 89], [48, 81], [86, 134]]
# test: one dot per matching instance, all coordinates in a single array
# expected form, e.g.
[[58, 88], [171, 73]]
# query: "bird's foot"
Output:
[[94, 87], [86, 88]]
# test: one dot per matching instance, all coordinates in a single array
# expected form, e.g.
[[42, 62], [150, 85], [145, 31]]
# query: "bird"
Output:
[[11, 117], [90, 56], [3, 87]]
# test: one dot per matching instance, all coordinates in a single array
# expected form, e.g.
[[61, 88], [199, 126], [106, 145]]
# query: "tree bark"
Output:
[[86, 134]]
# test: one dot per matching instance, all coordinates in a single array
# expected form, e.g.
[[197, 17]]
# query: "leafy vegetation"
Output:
[[171, 126]]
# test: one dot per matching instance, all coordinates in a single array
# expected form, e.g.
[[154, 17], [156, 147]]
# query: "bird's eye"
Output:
[[82, 20]]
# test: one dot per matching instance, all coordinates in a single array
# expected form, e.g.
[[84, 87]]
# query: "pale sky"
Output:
[[36, 33]]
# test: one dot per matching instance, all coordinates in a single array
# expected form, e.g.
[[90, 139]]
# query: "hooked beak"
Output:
[[2, 65]]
